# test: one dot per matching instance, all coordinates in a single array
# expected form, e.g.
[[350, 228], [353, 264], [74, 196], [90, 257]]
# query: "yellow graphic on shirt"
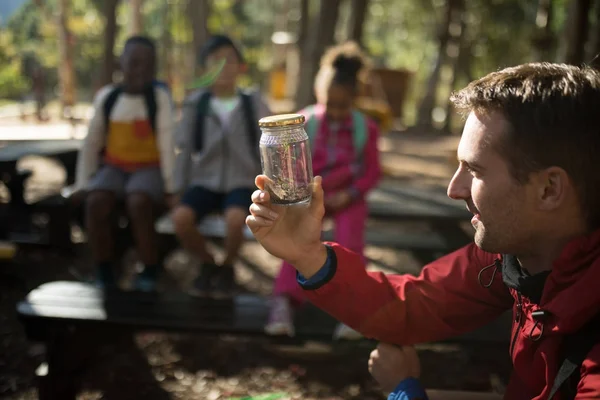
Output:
[[131, 145]]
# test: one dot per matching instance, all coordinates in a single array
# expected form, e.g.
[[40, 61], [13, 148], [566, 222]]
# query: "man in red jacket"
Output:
[[529, 172]]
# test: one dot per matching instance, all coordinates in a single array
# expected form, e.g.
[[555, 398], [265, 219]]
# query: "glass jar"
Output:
[[286, 160]]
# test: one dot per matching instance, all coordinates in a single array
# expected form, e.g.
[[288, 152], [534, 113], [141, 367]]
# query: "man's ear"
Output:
[[553, 186]]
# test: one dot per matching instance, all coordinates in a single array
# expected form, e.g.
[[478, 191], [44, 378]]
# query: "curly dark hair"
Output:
[[345, 64]]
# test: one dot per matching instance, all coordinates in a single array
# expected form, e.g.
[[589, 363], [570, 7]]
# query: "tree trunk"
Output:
[[428, 102], [66, 72], [544, 39], [318, 40], [460, 51], [303, 25], [358, 16], [165, 44], [110, 32], [594, 57], [136, 26], [198, 12], [577, 31]]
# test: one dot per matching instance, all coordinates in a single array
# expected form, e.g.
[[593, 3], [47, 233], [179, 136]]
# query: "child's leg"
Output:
[[106, 185], [350, 232], [350, 226], [144, 193], [196, 203], [286, 292], [286, 285], [236, 206]]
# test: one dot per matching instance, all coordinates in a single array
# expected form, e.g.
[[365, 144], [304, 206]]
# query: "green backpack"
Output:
[[359, 131]]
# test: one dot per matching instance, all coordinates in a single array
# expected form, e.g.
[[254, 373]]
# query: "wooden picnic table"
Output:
[[64, 151], [74, 320]]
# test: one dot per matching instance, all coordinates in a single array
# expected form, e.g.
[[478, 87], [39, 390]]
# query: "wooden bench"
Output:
[[64, 151], [390, 203], [74, 320], [20, 216]]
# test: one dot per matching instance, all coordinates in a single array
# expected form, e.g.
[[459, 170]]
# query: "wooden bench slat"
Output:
[[14, 152], [214, 226], [66, 302], [82, 303]]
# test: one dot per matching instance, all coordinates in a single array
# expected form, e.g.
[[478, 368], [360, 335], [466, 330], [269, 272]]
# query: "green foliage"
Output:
[[397, 33]]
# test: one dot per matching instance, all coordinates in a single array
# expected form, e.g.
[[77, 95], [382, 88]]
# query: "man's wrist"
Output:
[[312, 262]]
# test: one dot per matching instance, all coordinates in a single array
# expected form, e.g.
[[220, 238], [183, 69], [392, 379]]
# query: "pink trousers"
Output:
[[349, 232]]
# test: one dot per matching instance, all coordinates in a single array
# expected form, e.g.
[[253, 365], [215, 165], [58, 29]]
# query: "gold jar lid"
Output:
[[275, 121]]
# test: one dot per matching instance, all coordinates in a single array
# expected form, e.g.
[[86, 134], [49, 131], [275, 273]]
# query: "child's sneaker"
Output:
[[281, 317], [105, 279], [344, 332], [144, 283], [223, 283], [146, 280], [203, 283]]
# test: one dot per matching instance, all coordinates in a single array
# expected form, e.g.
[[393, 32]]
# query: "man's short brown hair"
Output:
[[554, 115]]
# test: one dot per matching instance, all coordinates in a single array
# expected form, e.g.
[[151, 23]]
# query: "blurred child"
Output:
[[128, 154], [219, 158], [344, 153]]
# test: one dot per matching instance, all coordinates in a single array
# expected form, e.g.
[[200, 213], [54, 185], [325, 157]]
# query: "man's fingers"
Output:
[[261, 181], [255, 223], [386, 347], [412, 359], [259, 210], [261, 196]]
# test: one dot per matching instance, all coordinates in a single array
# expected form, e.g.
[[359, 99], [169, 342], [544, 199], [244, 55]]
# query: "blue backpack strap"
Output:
[[359, 132]]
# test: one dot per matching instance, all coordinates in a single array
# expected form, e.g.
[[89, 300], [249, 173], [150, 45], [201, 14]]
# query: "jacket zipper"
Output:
[[518, 319]]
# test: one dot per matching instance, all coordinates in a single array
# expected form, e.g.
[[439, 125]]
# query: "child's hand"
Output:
[[338, 201]]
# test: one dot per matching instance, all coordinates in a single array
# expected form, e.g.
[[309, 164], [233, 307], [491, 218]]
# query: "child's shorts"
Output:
[[205, 202], [146, 180]]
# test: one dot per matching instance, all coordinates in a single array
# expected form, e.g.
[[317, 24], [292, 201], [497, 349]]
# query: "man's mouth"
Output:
[[473, 210]]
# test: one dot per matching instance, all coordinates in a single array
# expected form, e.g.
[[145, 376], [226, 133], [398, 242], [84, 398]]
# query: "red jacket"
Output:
[[448, 299]]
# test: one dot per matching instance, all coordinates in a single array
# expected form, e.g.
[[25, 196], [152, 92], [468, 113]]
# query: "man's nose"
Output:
[[459, 187]]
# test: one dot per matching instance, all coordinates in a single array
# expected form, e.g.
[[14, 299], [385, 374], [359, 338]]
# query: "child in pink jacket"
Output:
[[345, 154]]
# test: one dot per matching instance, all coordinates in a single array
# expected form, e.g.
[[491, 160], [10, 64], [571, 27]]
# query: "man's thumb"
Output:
[[316, 204]]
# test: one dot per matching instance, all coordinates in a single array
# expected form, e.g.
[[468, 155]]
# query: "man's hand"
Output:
[[291, 233], [338, 201], [390, 365]]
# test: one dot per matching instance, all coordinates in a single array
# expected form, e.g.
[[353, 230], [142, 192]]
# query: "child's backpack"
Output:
[[149, 99], [359, 132], [250, 117]]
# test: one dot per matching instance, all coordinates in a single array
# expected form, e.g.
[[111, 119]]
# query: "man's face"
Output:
[[232, 69], [138, 66], [504, 212]]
